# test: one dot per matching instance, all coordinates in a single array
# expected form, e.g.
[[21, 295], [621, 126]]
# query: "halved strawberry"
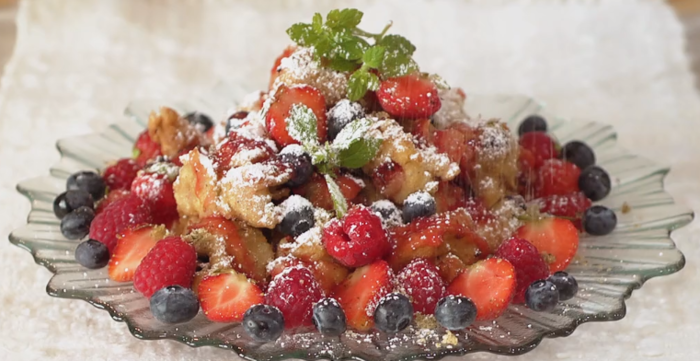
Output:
[[131, 248], [490, 284], [280, 109], [570, 206], [555, 238], [361, 291], [226, 296], [451, 142], [285, 54], [556, 177], [389, 178], [409, 96], [316, 190]]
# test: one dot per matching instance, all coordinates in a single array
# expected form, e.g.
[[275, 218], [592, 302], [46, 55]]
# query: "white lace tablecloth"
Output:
[[78, 62]]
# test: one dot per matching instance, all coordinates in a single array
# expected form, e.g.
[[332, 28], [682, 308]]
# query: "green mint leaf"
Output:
[[317, 23], [373, 83], [351, 48], [323, 46], [135, 153], [354, 146], [301, 125], [397, 65], [346, 18], [374, 56], [397, 43], [339, 202], [302, 34], [339, 64], [358, 84]]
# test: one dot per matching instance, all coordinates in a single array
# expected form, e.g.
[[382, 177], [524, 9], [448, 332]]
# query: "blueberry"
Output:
[[542, 295], [329, 317], [533, 123], [300, 163], [599, 220], [594, 182], [419, 204], [174, 304], [200, 121], [263, 323], [76, 224], [92, 254], [342, 114], [233, 118], [298, 216], [67, 201], [578, 153], [566, 285], [90, 182], [387, 210], [394, 313], [455, 312]]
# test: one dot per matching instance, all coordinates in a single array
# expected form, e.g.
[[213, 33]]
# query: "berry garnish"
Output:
[[235, 119], [263, 323], [356, 240], [578, 153], [146, 149], [299, 162], [200, 121], [419, 204], [90, 182], [70, 200], [128, 211], [171, 262], [556, 239], [542, 295], [420, 280], [343, 113], [490, 284], [393, 313], [566, 285], [455, 312], [120, 174], [360, 292], [131, 248], [329, 318], [294, 292], [110, 198], [570, 206], [293, 99], [92, 254], [297, 216], [389, 213], [533, 123], [76, 224], [527, 261], [174, 304], [540, 145], [599, 221], [155, 185], [557, 177], [409, 96], [594, 182], [227, 296]]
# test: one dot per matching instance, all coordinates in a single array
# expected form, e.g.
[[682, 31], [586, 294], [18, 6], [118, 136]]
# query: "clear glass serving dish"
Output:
[[607, 268]]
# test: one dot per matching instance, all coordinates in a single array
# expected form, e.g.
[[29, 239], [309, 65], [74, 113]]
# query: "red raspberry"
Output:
[[110, 198], [156, 186], [569, 205], [171, 262], [556, 177], [123, 213], [294, 292], [527, 261], [540, 145], [146, 149], [420, 280], [359, 239], [120, 174], [409, 96]]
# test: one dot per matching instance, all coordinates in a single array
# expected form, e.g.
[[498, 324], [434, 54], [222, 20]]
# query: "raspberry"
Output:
[[358, 239], [171, 262], [157, 188], [540, 145], [121, 174], [123, 213], [110, 198], [529, 265], [556, 177], [146, 149], [571, 205], [294, 292], [420, 280]]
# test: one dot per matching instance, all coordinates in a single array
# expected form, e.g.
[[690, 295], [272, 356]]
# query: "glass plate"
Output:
[[607, 268]]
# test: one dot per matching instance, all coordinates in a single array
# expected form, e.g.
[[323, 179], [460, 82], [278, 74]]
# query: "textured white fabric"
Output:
[[78, 62]]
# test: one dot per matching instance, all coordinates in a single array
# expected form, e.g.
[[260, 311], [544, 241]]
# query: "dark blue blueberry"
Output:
[[542, 295], [533, 123], [455, 312], [599, 220], [388, 211], [237, 116], [263, 323], [300, 164], [329, 317], [90, 182], [419, 204], [566, 285], [200, 121], [578, 153], [174, 304], [92, 254], [342, 114], [76, 224], [393, 313], [298, 216], [68, 201], [594, 182]]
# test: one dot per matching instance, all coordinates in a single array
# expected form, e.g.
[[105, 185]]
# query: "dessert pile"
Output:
[[354, 193]]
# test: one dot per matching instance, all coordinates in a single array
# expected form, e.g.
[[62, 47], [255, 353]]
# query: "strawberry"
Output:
[[131, 248], [110, 198], [120, 174], [294, 291], [540, 145], [238, 148], [356, 240], [127, 212], [155, 184], [288, 51], [409, 96], [420, 280], [349, 186], [490, 284], [316, 190], [389, 178], [556, 177], [146, 149], [449, 197], [226, 296], [360, 293], [171, 261], [451, 142], [555, 238], [527, 261], [572, 206], [281, 107]]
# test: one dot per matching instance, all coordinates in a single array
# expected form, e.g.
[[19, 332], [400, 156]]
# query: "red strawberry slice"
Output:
[[490, 284], [420, 280], [131, 248], [572, 206], [556, 177], [409, 96], [281, 107], [555, 238], [226, 296], [171, 262], [146, 149], [540, 145], [294, 291], [288, 51], [360, 293], [528, 263]]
